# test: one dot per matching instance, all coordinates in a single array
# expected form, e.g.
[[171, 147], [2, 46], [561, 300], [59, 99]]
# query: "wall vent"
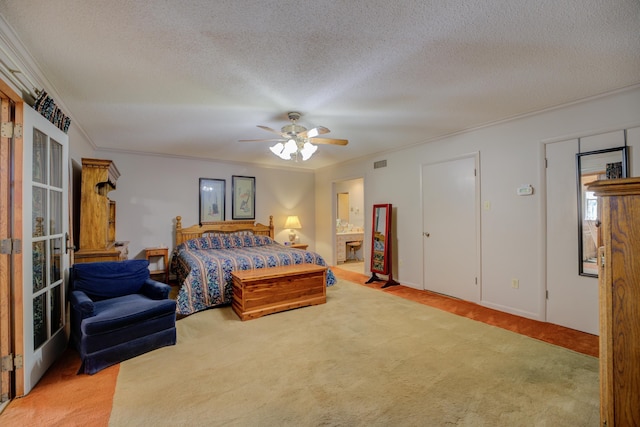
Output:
[[380, 164]]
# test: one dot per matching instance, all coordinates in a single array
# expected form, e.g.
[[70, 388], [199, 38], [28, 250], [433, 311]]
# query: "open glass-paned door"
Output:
[[45, 234]]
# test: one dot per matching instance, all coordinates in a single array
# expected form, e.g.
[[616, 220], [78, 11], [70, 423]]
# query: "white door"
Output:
[[572, 300], [450, 228], [45, 230]]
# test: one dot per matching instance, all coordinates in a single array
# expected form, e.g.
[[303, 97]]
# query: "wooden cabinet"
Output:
[[619, 282], [98, 214]]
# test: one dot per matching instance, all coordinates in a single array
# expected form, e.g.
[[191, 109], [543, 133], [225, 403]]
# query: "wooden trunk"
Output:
[[619, 281], [270, 290]]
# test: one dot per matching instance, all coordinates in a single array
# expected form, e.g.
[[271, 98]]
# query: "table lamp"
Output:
[[292, 223]]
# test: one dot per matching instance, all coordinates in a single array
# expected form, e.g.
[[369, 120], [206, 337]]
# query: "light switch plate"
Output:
[[525, 190]]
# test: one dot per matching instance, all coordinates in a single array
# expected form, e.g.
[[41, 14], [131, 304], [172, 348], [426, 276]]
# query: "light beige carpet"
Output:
[[356, 267], [364, 358]]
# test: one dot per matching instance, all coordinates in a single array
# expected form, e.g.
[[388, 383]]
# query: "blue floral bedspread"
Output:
[[203, 266]]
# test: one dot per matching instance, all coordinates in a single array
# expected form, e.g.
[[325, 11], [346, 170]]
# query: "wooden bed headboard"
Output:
[[198, 230]]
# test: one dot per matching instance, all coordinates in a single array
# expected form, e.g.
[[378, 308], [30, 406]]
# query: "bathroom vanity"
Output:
[[342, 238]]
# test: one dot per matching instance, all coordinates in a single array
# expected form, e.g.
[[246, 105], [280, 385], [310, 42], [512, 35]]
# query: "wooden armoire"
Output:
[[619, 284], [98, 214]]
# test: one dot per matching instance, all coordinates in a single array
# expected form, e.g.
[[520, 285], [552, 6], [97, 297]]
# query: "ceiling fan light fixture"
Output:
[[307, 150], [290, 147], [277, 149], [280, 151], [296, 141]]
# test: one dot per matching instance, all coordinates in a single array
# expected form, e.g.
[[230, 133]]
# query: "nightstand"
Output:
[[299, 246], [160, 257]]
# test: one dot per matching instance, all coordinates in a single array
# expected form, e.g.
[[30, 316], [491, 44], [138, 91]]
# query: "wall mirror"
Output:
[[343, 211], [610, 163]]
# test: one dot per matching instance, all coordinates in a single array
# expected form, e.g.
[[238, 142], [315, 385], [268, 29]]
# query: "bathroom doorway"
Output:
[[349, 225]]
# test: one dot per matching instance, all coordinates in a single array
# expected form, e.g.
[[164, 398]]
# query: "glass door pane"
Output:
[[47, 232], [39, 159]]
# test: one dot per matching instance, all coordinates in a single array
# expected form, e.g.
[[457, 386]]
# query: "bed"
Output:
[[206, 254]]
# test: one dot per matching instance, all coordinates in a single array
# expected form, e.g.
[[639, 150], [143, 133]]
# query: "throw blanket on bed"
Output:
[[204, 265]]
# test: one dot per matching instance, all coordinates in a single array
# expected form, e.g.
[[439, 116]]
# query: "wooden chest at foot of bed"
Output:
[[271, 290]]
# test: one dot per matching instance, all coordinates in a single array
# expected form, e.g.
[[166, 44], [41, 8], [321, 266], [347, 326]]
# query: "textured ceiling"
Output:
[[192, 77]]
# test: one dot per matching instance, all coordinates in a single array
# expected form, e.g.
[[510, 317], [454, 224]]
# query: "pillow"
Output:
[[235, 233], [102, 280], [258, 240], [227, 241], [207, 242]]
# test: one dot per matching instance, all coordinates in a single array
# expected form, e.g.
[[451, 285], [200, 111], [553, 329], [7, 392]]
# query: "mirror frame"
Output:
[[581, 202], [380, 262]]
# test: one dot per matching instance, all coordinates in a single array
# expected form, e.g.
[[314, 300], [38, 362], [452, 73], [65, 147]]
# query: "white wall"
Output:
[[153, 190], [79, 145], [512, 234]]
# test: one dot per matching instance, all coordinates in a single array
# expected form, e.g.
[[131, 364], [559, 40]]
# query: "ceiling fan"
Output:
[[297, 140]]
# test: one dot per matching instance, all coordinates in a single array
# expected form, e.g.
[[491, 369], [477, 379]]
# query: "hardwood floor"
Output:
[[63, 398], [553, 334]]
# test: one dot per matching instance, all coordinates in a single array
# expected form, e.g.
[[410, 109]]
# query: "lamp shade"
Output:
[[292, 222], [307, 150], [294, 147]]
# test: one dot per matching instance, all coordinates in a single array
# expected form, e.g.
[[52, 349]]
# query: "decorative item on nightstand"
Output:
[[292, 223]]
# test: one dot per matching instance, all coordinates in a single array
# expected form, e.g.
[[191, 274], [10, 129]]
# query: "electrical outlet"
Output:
[[515, 283]]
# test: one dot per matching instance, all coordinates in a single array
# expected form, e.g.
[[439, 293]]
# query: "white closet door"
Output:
[[572, 299], [450, 228]]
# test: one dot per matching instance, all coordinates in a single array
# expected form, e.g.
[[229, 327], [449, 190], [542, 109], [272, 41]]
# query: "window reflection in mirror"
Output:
[[593, 166]]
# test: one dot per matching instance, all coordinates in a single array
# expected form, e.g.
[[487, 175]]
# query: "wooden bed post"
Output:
[[178, 230], [271, 233]]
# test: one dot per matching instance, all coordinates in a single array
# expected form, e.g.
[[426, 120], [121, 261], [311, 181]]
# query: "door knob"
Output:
[[67, 245]]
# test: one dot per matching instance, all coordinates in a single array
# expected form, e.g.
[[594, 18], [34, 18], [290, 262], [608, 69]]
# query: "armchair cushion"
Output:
[[121, 312], [155, 290], [100, 280]]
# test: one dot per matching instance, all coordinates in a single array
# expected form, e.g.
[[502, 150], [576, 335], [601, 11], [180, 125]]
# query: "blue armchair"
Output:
[[118, 312]]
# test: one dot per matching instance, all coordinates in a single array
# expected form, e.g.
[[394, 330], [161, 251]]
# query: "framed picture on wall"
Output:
[[211, 199], [243, 201]]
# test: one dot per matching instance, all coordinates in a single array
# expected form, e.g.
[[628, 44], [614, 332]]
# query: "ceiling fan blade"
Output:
[[262, 140], [268, 129], [318, 130], [328, 141]]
